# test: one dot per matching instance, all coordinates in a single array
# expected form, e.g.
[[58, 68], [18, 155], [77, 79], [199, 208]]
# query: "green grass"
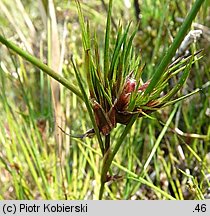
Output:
[[162, 155]]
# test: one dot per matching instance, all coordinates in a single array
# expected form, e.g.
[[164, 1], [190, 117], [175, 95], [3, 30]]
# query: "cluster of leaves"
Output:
[[117, 91]]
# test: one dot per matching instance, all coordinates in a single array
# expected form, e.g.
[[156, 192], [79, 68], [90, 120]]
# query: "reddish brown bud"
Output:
[[118, 113], [124, 98], [103, 122], [130, 85]]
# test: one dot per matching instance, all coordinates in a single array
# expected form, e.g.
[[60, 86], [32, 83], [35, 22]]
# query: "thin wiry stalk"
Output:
[[111, 154], [36, 62], [174, 46]]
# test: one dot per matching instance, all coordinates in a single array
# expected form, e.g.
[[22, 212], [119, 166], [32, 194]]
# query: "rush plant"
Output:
[[117, 92], [113, 89]]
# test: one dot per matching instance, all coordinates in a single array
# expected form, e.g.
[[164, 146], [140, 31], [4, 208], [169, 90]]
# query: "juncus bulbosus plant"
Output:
[[117, 93]]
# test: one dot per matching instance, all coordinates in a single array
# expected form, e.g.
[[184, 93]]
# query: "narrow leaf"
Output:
[[107, 39]]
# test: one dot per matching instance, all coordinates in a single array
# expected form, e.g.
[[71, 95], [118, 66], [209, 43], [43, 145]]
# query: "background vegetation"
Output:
[[165, 156]]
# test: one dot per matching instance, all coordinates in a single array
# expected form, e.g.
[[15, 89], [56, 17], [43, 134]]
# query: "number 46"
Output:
[[200, 207]]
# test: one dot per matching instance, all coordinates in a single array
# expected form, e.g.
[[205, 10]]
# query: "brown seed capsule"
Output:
[[124, 98]]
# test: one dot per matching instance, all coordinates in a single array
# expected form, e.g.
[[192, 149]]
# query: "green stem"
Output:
[[174, 46], [109, 156], [107, 142], [35, 61], [101, 190]]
